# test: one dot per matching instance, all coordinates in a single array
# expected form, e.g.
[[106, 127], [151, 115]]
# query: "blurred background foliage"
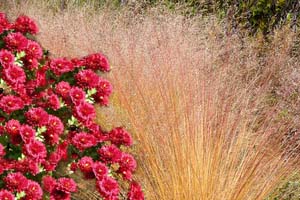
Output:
[[254, 16], [288, 191]]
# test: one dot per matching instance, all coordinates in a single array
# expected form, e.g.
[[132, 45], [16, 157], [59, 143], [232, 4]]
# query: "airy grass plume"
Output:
[[193, 96]]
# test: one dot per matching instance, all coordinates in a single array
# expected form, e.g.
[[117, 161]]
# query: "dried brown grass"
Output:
[[192, 96]]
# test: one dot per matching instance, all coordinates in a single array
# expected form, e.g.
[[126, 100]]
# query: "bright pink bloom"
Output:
[[11, 103], [27, 165], [25, 24], [62, 149], [14, 75], [5, 165], [16, 181], [135, 192], [55, 125], [87, 78], [104, 87], [35, 150], [104, 90], [101, 98], [6, 58], [41, 77], [127, 165], [49, 183], [85, 112], [30, 62], [33, 191], [66, 185], [32, 166], [63, 88], [83, 141], [2, 151], [16, 41], [77, 62], [33, 50], [51, 138], [108, 187], [95, 130], [22, 92], [51, 163], [37, 116], [96, 61], [4, 23], [119, 136], [100, 170], [85, 164], [53, 101], [60, 66], [77, 95], [6, 195], [12, 127], [27, 133], [110, 154]]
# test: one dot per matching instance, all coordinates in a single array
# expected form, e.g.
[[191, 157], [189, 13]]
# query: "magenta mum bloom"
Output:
[[110, 154], [35, 150], [27, 133], [16, 181], [16, 41], [100, 170], [11, 103], [60, 66], [135, 192], [97, 61], [119, 136], [24, 24], [85, 112], [66, 185], [108, 187], [33, 190], [7, 195], [6, 58], [83, 141]]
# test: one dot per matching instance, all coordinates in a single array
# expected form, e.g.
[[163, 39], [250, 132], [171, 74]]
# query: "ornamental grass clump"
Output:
[[48, 120]]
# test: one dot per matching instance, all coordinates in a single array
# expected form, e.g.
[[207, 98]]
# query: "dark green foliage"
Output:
[[288, 191], [251, 15], [264, 15]]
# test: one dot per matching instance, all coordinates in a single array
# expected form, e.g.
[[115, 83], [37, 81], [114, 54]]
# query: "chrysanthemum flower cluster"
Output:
[[47, 118]]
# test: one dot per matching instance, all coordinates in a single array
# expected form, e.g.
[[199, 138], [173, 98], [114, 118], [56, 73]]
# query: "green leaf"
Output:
[[72, 121], [3, 83], [21, 194], [41, 168], [61, 102], [22, 156], [40, 138], [41, 130], [20, 55], [89, 94], [90, 100], [92, 91], [19, 63]]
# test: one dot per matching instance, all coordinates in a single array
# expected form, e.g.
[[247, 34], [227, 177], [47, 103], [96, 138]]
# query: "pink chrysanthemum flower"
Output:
[[24, 24]]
